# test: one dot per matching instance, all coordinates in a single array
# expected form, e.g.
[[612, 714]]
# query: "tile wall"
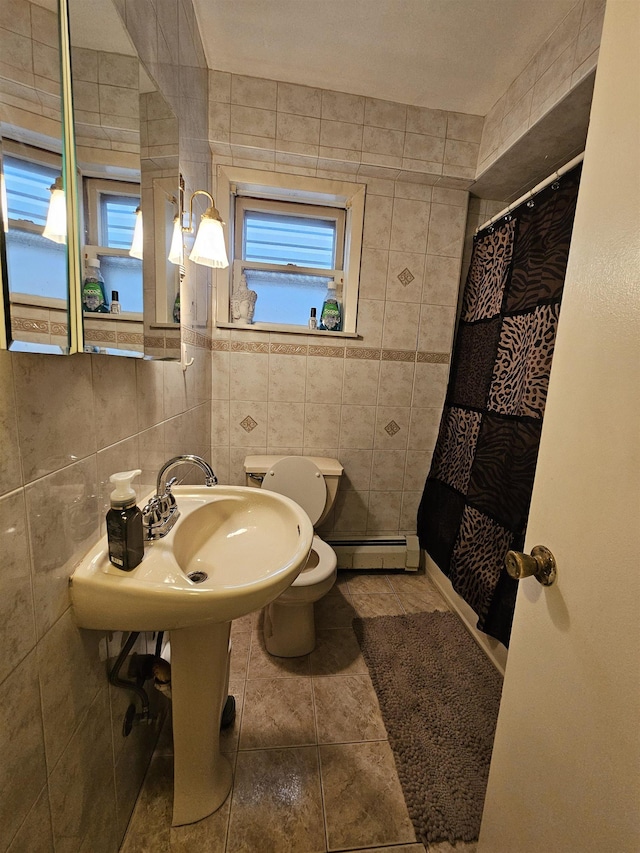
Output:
[[375, 402], [106, 107], [30, 67], [68, 778], [270, 124], [565, 58]]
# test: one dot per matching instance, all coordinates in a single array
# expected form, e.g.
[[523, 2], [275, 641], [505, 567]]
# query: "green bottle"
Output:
[[94, 296], [331, 315], [176, 308]]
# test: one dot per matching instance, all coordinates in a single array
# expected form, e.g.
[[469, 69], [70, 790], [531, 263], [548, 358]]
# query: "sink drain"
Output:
[[197, 577]]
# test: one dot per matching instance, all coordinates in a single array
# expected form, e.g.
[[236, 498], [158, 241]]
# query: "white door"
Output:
[[565, 773]]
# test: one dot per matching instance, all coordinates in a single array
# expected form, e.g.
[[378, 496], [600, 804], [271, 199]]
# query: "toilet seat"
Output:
[[322, 570], [300, 479]]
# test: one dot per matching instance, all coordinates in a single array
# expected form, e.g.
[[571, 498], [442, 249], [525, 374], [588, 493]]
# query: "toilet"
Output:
[[312, 482]]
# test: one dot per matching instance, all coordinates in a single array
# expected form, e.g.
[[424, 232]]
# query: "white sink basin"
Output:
[[250, 543]]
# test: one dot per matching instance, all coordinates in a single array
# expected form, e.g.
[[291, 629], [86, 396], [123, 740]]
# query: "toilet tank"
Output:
[[255, 467]]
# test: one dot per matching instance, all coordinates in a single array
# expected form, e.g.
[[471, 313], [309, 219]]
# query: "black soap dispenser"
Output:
[[124, 523]]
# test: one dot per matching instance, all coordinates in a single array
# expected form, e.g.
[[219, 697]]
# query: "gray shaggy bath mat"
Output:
[[439, 697]]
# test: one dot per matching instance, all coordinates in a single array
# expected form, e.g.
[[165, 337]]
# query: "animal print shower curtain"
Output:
[[476, 499]]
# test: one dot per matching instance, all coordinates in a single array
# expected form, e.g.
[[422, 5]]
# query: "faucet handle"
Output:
[[152, 512], [169, 484]]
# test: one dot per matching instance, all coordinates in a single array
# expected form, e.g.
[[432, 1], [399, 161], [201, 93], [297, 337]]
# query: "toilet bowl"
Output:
[[311, 481]]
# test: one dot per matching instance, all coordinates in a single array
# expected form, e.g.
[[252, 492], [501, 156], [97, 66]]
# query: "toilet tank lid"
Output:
[[260, 464]]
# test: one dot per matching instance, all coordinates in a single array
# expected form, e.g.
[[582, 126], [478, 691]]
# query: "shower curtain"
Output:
[[476, 499]]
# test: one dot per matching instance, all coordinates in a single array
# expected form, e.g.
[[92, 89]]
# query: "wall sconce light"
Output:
[[208, 249], [56, 226], [136, 244]]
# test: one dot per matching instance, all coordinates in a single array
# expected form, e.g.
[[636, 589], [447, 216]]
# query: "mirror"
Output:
[[124, 137], [127, 158], [36, 174]]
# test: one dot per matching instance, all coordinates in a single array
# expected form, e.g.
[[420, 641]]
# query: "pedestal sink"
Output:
[[233, 550]]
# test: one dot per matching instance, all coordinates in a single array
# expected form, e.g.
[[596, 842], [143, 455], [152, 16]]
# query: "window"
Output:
[[110, 218], [291, 238], [38, 266]]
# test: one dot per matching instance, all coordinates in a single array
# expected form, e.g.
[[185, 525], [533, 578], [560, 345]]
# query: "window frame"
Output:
[[239, 188]]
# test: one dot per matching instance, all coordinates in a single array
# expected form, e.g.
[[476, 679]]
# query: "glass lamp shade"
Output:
[[56, 225], [176, 252], [136, 244], [209, 249]]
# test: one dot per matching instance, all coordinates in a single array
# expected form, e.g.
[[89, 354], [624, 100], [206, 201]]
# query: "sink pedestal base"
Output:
[[199, 686]]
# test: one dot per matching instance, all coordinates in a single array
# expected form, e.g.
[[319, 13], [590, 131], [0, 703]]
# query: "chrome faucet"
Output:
[[161, 513]]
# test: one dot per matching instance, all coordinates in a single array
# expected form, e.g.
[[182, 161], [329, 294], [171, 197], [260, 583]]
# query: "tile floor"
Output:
[[313, 770]]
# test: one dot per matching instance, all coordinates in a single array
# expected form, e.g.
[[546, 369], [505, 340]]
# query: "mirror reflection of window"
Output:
[[110, 217], [38, 266]]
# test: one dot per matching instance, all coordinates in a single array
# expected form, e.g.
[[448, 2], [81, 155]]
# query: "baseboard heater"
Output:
[[376, 552]]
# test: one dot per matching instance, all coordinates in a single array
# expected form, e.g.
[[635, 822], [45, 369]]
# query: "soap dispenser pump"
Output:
[[124, 523]]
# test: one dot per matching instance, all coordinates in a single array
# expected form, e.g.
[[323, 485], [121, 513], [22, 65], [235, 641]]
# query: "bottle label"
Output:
[[93, 296], [330, 317]]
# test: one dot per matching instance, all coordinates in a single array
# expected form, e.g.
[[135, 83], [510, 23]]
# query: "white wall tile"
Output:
[[426, 121], [400, 326], [299, 100], [360, 382], [385, 114], [253, 92], [464, 126], [338, 106]]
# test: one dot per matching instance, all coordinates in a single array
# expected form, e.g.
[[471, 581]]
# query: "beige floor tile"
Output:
[[337, 652], [277, 712], [347, 710], [409, 581], [340, 586], [361, 582], [377, 605], [276, 804], [239, 656], [264, 665], [422, 600], [243, 625], [334, 611], [364, 804], [150, 829]]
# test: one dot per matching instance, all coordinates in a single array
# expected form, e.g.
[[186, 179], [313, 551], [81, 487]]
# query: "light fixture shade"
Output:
[[209, 249], [56, 226], [136, 244], [176, 252]]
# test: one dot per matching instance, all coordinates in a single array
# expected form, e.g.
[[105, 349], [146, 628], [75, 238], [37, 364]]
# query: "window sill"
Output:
[[284, 329], [122, 317]]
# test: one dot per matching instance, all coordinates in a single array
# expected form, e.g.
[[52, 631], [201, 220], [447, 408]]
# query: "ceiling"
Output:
[[458, 55]]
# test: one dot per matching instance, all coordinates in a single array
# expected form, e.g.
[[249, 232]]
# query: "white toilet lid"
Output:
[[298, 478]]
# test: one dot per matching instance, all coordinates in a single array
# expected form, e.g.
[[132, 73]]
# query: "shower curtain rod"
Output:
[[538, 188]]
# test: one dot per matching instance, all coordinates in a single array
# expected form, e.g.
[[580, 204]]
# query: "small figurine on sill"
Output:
[[243, 303]]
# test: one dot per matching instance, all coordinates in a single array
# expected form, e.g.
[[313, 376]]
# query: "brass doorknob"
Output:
[[541, 565]]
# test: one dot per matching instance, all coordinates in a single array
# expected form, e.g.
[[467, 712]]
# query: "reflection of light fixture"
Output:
[[136, 244], [176, 252], [56, 227]]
